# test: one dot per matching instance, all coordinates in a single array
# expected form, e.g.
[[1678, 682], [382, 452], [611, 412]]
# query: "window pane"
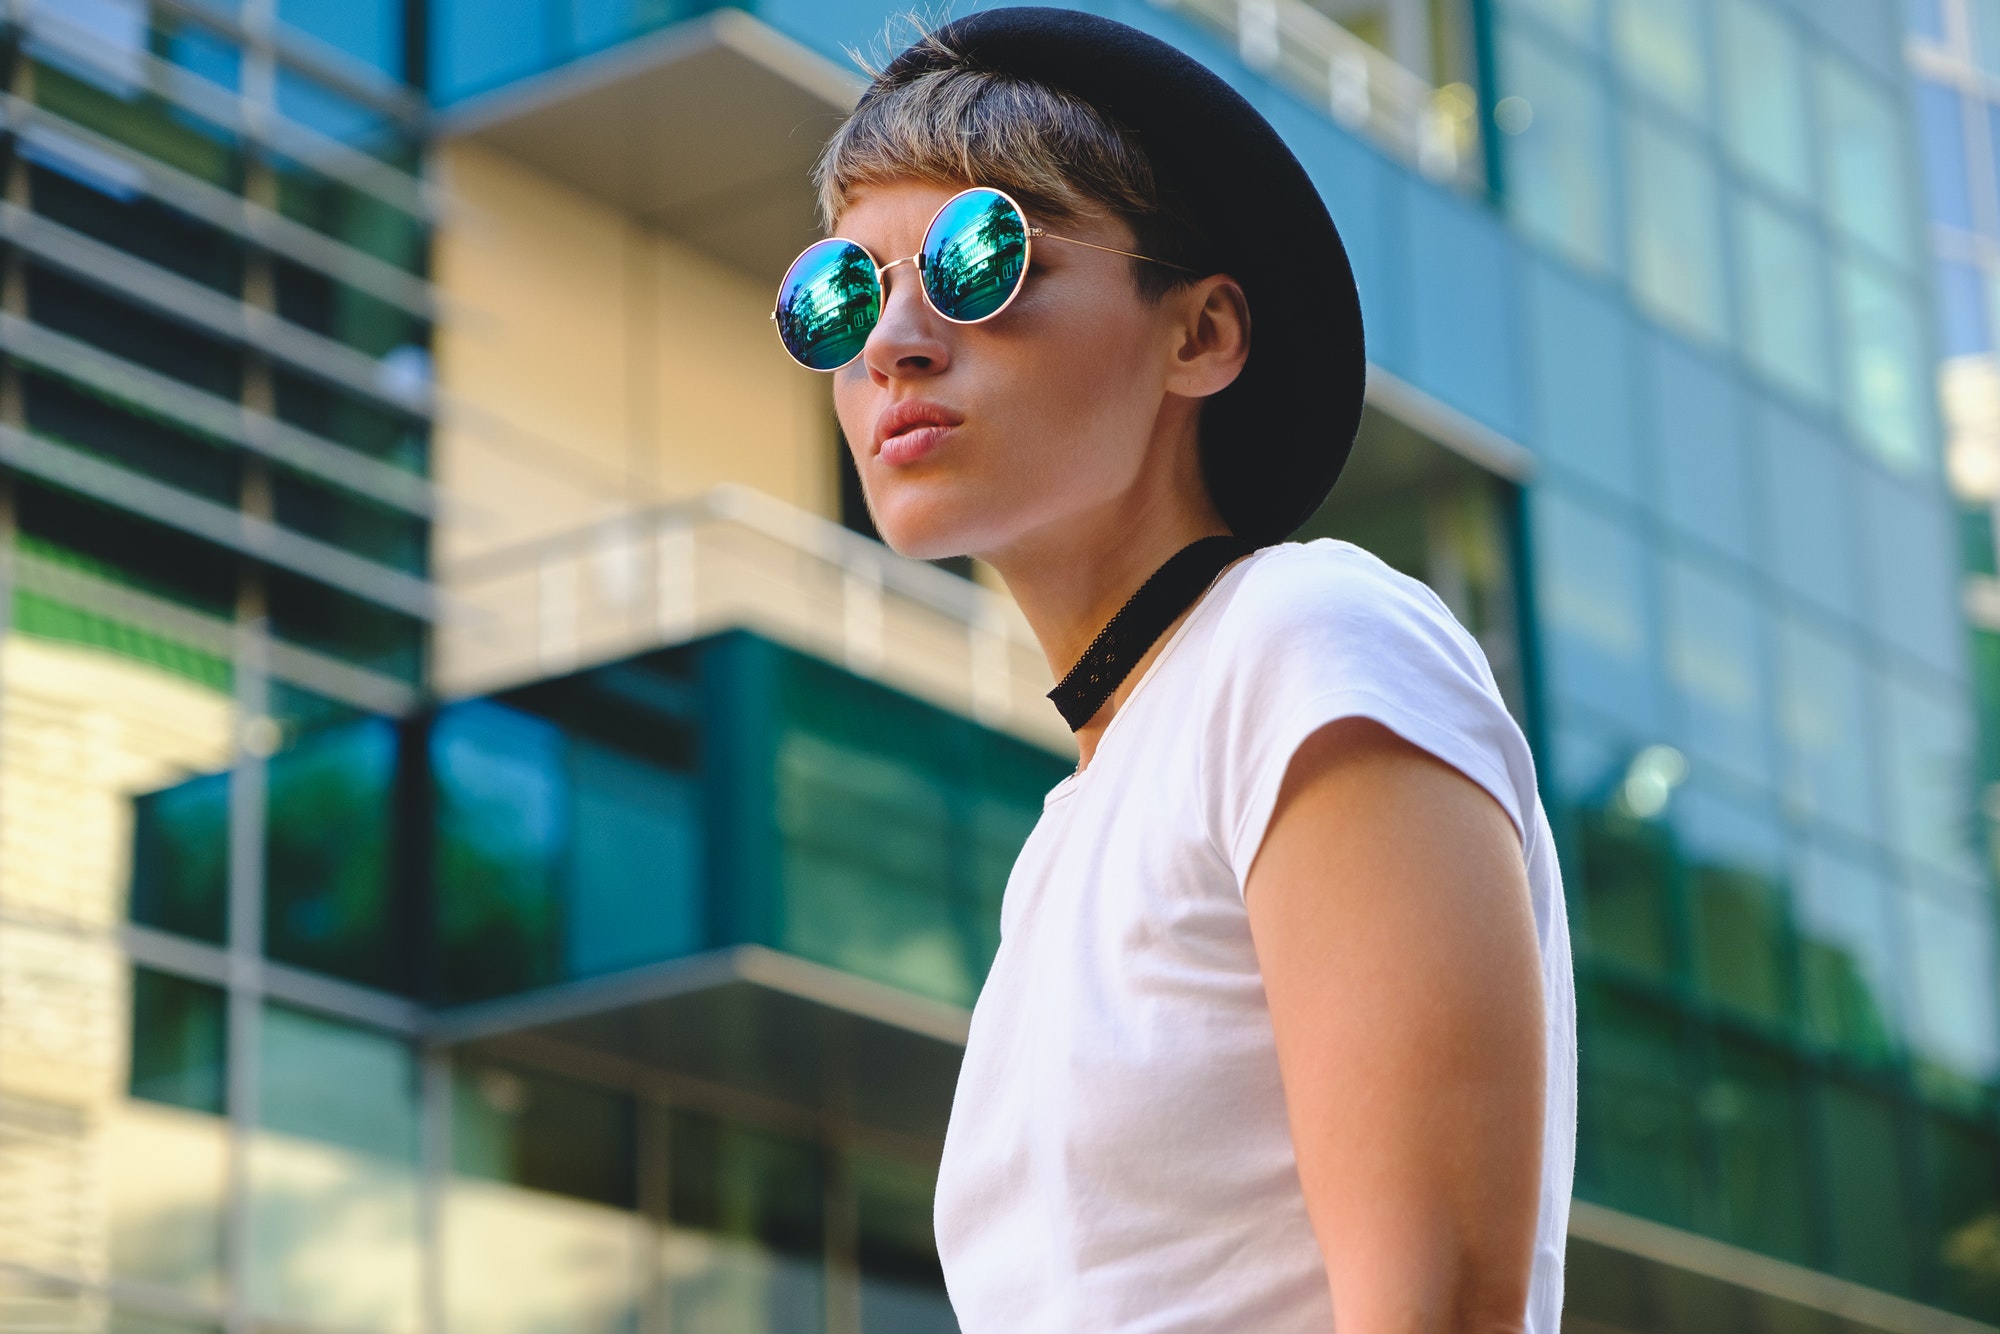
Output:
[[1659, 47], [1638, 1131], [544, 1133], [1866, 1202], [1675, 235], [1986, 34], [1809, 494], [1848, 971], [1964, 325], [1925, 18], [902, 1284], [1758, 1120], [1962, 1163], [476, 44], [1887, 373], [634, 866], [1583, 377], [1764, 96], [1715, 663], [1557, 167], [1734, 855], [180, 858], [1824, 721], [1576, 17], [1698, 441], [1593, 578], [1782, 271], [179, 1041], [1955, 993], [745, 1246], [1911, 560], [1862, 136], [333, 1185], [369, 30], [1930, 778], [1941, 141]]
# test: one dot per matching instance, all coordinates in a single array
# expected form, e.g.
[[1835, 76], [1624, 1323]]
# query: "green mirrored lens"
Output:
[[974, 255], [827, 304]]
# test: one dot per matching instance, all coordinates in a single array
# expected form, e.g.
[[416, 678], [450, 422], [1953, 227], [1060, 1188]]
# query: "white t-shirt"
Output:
[[1119, 1156]]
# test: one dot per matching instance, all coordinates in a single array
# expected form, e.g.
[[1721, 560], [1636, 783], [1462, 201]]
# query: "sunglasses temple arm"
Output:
[[1041, 235]]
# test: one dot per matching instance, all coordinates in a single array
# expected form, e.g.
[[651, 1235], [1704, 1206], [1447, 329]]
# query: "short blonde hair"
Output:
[[949, 121]]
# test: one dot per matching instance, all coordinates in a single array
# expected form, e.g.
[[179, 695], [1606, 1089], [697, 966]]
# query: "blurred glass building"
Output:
[[489, 842]]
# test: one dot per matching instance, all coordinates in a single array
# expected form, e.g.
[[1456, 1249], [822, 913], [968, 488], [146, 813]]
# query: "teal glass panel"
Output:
[[1862, 141], [1757, 1119], [343, 119], [1464, 316], [902, 1284], [1556, 168], [1844, 910], [1911, 564], [544, 1133], [1807, 486], [1582, 365], [1954, 991], [1733, 855], [330, 900], [1986, 35], [1941, 145], [1930, 779], [1965, 326], [1577, 18], [1782, 269], [748, 1209], [351, 216], [1765, 121], [334, 1218], [1592, 578], [1962, 1164], [1698, 443], [478, 44], [180, 858], [1660, 47], [371, 31], [1715, 665], [634, 867], [1887, 369], [498, 785], [1825, 725], [179, 1042], [1864, 1186], [1626, 891], [1639, 1133], [1925, 18], [1674, 228]]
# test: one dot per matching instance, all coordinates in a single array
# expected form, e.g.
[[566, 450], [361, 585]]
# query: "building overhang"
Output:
[[744, 1024], [706, 130]]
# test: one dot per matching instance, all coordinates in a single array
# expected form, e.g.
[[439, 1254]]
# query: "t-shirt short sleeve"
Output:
[[1323, 631]]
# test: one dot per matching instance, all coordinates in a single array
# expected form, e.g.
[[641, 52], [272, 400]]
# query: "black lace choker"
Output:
[[1143, 619]]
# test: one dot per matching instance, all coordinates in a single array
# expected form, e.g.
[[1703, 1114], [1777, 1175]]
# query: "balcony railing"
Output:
[[736, 558], [1435, 130]]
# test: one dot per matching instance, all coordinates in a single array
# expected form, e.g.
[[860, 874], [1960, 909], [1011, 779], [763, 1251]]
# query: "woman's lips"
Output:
[[916, 443]]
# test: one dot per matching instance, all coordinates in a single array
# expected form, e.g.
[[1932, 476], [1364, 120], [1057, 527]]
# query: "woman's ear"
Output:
[[1211, 336]]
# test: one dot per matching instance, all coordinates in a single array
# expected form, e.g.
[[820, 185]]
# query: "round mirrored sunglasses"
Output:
[[974, 255]]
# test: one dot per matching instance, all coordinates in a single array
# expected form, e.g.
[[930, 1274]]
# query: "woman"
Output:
[[1280, 1035]]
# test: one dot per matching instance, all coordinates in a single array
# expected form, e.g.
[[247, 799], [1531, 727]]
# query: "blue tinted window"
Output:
[[1592, 574], [1578, 18], [1463, 314], [1941, 141], [1674, 227], [180, 858], [1783, 276], [1925, 18], [1912, 570], [1715, 664], [369, 30], [1583, 379], [1697, 437], [1557, 167], [1861, 136], [1806, 484], [1825, 724], [1964, 327], [1844, 910], [335, 115], [634, 863], [476, 44], [1764, 116], [1887, 371], [333, 1082], [1659, 47], [201, 52], [1929, 777], [1733, 858], [1952, 983]]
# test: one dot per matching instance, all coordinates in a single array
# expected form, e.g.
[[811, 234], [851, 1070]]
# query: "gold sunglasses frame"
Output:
[[1030, 233]]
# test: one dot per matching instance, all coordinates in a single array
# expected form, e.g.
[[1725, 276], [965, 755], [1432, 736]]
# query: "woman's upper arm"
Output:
[[1390, 909]]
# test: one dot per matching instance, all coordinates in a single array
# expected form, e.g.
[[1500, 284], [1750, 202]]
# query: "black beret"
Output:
[[1274, 441]]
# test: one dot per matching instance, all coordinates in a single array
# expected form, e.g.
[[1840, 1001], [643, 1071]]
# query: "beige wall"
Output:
[[588, 365]]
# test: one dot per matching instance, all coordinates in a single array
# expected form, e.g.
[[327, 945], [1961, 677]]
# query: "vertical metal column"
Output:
[[843, 1231], [247, 793], [434, 1163]]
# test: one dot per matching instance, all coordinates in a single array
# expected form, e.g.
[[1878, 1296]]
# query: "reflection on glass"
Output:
[[1638, 1135], [1715, 662], [1809, 521], [1824, 724], [744, 1250], [1941, 143], [1674, 228], [1757, 1118], [1556, 168], [1950, 967], [543, 1132], [1659, 47], [179, 1037], [1929, 778], [902, 1285], [1592, 579], [1626, 889], [369, 30], [1888, 381], [166, 1168], [1961, 1164], [329, 888], [1764, 117], [180, 858], [1736, 899], [1861, 1180], [1847, 954], [1783, 276], [1697, 415], [334, 1219], [634, 862], [1862, 138]]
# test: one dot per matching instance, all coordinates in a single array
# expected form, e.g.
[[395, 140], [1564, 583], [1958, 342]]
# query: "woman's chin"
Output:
[[925, 532]]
